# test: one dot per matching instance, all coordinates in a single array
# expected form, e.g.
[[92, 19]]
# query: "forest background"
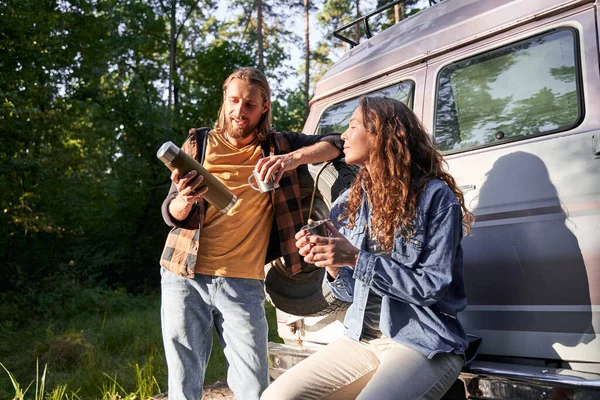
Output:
[[89, 90]]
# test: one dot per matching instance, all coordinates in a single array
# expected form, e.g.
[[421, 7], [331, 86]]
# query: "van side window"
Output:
[[335, 119], [524, 89]]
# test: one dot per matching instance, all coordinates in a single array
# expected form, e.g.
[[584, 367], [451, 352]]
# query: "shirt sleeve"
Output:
[[193, 219], [342, 286], [299, 140], [424, 282]]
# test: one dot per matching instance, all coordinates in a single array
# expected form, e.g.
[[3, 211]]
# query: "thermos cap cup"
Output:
[[262, 187], [167, 152]]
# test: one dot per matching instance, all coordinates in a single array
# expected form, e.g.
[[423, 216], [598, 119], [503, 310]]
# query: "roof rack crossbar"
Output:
[[365, 19]]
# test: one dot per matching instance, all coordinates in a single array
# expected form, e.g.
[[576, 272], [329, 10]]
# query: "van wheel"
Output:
[[306, 293]]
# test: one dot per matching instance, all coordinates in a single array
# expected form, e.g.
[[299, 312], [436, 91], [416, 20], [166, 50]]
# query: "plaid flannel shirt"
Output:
[[181, 248]]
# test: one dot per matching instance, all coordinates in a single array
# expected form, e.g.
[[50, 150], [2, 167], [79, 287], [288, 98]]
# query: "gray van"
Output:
[[510, 92]]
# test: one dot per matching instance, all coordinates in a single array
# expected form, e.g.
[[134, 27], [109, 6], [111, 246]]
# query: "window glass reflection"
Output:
[[337, 117], [524, 89]]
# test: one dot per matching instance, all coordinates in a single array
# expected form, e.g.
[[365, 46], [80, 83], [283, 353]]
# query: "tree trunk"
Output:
[[399, 11], [307, 56], [261, 61], [357, 25], [172, 51]]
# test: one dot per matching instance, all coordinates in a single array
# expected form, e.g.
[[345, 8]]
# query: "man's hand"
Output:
[[327, 252], [188, 187], [188, 193], [275, 166]]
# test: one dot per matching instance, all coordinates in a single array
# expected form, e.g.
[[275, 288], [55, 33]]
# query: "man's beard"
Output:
[[236, 132]]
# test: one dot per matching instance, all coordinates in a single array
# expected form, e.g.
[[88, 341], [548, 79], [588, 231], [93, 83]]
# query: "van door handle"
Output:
[[596, 146], [467, 188]]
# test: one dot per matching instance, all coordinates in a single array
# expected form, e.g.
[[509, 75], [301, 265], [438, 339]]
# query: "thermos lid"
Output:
[[167, 152]]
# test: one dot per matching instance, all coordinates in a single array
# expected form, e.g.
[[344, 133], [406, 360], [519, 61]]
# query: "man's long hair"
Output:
[[402, 160], [254, 77]]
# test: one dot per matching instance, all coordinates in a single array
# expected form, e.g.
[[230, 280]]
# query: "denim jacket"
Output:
[[421, 281]]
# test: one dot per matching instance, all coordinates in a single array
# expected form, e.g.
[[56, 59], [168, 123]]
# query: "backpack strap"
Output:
[[201, 137]]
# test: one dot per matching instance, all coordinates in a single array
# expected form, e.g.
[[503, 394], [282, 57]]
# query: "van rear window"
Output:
[[524, 89], [335, 119]]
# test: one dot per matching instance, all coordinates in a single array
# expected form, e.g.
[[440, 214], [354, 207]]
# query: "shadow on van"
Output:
[[528, 290]]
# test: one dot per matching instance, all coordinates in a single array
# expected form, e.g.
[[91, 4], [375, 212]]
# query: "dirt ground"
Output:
[[216, 391]]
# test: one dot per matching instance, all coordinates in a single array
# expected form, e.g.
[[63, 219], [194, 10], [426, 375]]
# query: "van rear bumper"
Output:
[[283, 357], [483, 380], [489, 380]]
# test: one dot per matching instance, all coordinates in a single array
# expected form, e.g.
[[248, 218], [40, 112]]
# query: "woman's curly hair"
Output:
[[401, 162]]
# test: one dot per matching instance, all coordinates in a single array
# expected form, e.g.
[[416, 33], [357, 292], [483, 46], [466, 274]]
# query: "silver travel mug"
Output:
[[263, 187], [317, 228], [218, 195]]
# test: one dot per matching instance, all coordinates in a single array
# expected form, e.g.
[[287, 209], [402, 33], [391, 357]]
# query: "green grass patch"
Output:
[[110, 351]]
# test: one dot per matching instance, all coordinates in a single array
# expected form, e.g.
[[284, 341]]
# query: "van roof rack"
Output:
[[365, 19]]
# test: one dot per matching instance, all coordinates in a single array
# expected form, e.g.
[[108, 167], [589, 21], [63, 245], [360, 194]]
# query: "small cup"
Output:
[[317, 228], [263, 187]]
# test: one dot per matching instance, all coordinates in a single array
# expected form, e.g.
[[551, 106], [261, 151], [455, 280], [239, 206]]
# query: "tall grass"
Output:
[[19, 392], [112, 350]]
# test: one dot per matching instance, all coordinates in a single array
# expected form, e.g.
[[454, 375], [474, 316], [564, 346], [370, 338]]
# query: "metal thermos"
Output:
[[218, 195]]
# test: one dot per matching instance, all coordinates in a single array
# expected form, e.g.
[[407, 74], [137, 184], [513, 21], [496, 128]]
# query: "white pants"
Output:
[[378, 369]]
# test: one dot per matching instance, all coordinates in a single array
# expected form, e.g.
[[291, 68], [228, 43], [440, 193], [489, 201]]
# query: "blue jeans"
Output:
[[235, 306]]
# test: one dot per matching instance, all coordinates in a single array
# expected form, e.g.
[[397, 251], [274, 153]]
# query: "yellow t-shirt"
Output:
[[235, 244]]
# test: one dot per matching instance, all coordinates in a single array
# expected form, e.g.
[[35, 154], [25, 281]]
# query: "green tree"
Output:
[[291, 114], [89, 91], [84, 110], [267, 43]]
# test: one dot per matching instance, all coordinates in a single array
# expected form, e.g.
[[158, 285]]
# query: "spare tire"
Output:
[[307, 293]]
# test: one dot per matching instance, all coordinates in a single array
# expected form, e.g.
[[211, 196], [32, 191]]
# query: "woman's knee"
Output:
[[280, 389], [342, 367]]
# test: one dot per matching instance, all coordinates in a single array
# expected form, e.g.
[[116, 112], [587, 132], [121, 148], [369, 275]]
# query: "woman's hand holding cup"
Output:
[[331, 252]]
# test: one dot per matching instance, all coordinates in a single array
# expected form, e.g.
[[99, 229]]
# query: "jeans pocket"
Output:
[[169, 279]]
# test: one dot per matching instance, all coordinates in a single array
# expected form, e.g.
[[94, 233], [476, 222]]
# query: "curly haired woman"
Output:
[[394, 251]]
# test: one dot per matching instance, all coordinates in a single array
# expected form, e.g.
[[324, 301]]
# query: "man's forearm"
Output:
[[318, 152]]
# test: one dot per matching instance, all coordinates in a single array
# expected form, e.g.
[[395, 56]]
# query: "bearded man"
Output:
[[212, 267]]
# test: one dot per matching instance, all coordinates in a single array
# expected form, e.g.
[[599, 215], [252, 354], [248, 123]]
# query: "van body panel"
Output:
[[533, 252], [441, 28], [532, 260]]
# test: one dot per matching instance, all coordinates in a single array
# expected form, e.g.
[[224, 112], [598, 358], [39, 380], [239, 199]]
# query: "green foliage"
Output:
[[84, 107], [202, 92], [84, 94], [65, 351], [114, 333], [242, 31], [19, 392], [111, 349], [83, 112], [289, 116]]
